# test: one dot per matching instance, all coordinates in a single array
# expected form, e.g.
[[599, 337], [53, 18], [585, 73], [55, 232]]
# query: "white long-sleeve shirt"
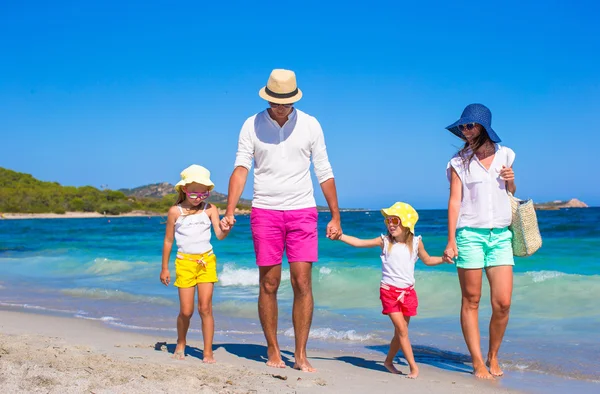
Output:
[[282, 158]]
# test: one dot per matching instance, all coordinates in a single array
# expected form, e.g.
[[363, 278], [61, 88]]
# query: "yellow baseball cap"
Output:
[[405, 212]]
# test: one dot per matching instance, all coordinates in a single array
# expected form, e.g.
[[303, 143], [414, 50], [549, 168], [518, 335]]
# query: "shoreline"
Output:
[[95, 215], [66, 354]]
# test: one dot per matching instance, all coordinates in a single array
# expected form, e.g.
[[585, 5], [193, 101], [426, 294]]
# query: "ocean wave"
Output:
[[330, 333], [115, 295], [107, 267], [232, 276], [541, 276], [40, 308]]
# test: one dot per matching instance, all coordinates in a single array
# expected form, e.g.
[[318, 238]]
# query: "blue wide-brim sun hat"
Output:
[[475, 113]]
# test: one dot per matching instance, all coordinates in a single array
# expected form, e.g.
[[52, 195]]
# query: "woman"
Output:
[[479, 214]]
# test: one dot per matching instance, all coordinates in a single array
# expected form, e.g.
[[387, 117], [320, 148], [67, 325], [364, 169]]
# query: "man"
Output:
[[281, 142]]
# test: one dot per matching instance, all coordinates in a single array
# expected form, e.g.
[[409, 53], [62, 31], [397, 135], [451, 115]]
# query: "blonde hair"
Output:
[[408, 239]]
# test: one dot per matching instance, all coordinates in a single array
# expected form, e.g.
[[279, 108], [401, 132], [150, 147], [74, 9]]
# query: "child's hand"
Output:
[[165, 277], [447, 259]]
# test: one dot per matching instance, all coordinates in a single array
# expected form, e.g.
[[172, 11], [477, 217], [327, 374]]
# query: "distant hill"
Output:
[[554, 205], [160, 190]]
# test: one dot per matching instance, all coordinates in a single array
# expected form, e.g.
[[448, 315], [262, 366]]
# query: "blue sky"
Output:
[[130, 93]]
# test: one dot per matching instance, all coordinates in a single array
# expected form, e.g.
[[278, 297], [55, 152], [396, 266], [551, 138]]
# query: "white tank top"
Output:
[[398, 264], [192, 232]]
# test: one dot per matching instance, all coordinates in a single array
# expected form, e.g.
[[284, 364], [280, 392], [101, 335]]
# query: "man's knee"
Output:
[[269, 285], [302, 285]]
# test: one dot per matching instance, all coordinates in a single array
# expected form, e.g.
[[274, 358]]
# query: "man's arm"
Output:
[[237, 182], [334, 228]]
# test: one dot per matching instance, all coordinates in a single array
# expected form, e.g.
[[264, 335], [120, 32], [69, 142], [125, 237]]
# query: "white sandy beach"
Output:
[[42, 353]]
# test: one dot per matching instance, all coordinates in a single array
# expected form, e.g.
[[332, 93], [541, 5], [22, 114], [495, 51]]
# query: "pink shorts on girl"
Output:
[[294, 230], [394, 299]]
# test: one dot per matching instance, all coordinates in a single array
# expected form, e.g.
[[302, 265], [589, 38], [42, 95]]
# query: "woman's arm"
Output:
[[165, 276], [430, 260], [453, 210], [508, 175], [213, 214], [361, 243]]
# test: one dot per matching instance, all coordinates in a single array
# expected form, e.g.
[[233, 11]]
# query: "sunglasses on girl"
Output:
[[468, 126], [393, 220], [195, 195]]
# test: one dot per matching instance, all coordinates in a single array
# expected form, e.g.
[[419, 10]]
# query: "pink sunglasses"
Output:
[[195, 195]]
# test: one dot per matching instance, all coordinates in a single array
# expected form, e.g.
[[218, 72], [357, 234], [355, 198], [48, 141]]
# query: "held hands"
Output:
[[165, 277], [334, 229], [450, 253], [227, 222]]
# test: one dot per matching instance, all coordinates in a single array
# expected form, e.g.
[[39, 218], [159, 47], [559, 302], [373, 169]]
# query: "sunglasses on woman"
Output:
[[195, 195], [468, 126], [393, 221]]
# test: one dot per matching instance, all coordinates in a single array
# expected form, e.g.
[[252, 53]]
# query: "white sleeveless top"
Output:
[[485, 203], [192, 232], [398, 264]]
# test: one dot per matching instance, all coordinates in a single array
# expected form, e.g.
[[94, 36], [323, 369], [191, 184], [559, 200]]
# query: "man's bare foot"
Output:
[[414, 372], [481, 372], [494, 367], [304, 366], [274, 360], [390, 367], [208, 358]]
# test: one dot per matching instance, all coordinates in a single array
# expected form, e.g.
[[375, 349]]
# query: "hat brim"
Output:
[[205, 182], [453, 128], [288, 100]]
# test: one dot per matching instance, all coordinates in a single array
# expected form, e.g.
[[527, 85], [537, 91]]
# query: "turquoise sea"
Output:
[[109, 270]]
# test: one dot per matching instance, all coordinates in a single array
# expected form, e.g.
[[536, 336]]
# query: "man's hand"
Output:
[[334, 229], [227, 222]]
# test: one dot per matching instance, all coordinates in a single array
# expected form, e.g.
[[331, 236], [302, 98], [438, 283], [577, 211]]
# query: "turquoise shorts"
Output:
[[484, 247]]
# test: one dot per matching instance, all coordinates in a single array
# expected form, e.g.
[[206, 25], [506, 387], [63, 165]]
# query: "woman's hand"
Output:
[[451, 251], [507, 174]]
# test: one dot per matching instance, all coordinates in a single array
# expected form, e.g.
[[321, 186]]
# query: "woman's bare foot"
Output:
[[414, 372], [208, 358], [179, 353], [481, 372], [390, 367], [494, 366]]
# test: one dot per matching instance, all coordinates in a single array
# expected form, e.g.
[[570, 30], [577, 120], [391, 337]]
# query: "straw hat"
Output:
[[281, 88], [195, 174], [405, 212], [475, 113]]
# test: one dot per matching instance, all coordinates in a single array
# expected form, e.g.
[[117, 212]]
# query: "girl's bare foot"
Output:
[[414, 372], [481, 372], [208, 358], [390, 367], [494, 366]]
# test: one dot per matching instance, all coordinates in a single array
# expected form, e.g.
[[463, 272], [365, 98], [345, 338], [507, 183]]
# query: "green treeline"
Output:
[[22, 193]]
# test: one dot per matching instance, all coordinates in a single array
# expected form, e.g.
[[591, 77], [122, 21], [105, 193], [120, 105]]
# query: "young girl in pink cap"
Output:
[[400, 250], [189, 222]]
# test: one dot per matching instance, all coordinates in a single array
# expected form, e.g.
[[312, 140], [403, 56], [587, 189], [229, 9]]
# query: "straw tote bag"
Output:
[[526, 233]]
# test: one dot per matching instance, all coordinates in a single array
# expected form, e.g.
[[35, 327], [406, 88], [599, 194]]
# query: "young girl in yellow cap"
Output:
[[400, 249], [189, 222]]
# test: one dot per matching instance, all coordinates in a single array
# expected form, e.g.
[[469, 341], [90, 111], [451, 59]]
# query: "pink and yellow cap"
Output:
[[405, 212]]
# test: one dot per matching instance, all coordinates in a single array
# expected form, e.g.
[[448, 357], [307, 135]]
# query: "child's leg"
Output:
[[394, 347], [401, 325], [205, 293], [186, 309]]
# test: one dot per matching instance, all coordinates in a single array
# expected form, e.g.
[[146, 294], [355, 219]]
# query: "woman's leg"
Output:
[[186, 309], [470, 286], [501, 285], [205, 293]]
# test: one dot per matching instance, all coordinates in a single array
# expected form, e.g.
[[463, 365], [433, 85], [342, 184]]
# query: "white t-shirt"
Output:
[[398, 264], [485, 202], [282, 157]]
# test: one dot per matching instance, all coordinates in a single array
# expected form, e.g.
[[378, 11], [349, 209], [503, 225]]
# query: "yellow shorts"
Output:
[[191, 269]]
